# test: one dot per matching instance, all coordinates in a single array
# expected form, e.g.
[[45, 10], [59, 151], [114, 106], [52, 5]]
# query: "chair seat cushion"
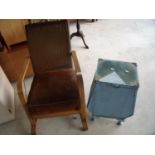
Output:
[[54, 92]]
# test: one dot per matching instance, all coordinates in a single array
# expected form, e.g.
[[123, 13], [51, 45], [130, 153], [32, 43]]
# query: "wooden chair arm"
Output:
[[21, 87], [20, 83], [76, 62], [79, 80], [81, 91]]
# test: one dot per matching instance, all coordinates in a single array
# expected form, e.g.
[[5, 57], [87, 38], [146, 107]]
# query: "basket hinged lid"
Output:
[[116, 72]]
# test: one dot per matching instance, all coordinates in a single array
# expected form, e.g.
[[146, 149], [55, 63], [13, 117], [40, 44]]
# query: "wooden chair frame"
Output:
[[23, 97]]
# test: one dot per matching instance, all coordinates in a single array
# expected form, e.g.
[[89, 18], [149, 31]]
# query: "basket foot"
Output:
[[120, 122]]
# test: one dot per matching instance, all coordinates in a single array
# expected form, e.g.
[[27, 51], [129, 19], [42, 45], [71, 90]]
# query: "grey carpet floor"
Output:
[[127, 40]]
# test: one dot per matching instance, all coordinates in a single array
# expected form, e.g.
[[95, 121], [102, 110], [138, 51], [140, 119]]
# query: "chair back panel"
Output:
[[49, 45]]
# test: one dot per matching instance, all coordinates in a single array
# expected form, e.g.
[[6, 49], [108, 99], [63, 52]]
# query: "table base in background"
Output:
[[79, 34]]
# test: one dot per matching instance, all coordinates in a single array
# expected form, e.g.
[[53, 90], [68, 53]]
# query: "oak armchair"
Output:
[[57, 88]]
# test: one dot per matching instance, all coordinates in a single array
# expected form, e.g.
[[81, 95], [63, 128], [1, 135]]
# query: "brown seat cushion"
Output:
[[54, 92]]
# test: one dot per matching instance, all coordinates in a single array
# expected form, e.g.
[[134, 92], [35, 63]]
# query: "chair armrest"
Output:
[[76, 62], [20, 83], [79, 80], [21, 87], [81, 91]]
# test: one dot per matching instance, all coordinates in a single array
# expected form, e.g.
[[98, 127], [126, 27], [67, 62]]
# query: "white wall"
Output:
[[7, 107]]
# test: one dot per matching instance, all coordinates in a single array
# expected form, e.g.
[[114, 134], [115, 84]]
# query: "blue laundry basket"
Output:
[[114, 89]]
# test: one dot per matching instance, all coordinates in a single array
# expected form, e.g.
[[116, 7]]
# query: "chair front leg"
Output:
[[84, 121], [33, 126], [82, 102]]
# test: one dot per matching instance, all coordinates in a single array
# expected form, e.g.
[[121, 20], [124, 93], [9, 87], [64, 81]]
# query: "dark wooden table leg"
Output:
[[79, 33], [94, 20]]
